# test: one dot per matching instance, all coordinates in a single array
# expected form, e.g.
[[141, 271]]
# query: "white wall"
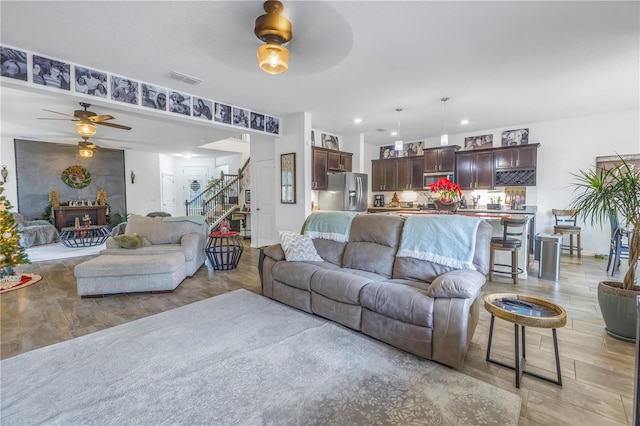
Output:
[[295, 138], [566, 146], [8, 158], [144, 195]]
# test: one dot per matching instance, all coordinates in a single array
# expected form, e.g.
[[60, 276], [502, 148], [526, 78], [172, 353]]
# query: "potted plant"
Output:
[[600, 194], [449, 193], [495, 204]]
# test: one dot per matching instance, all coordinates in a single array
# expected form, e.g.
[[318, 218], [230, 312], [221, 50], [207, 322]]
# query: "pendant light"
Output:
[[398, 144], [444, 139]]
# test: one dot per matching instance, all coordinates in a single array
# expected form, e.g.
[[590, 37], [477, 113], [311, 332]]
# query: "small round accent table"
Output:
[[534, 312], [224, 250]]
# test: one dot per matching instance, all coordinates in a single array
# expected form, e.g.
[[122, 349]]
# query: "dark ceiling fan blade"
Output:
[[99, 118], [56, 112], [117, 126]]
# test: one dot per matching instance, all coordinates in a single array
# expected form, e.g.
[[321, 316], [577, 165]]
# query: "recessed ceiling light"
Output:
[[357, 120], [187, 156], [394, 133], [464, 122]]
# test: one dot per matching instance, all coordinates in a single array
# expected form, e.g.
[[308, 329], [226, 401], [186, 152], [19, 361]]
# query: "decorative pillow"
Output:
[[298, 248], [131, 241]]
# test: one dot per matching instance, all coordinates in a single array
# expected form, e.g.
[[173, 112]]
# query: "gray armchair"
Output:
[[35, 232]]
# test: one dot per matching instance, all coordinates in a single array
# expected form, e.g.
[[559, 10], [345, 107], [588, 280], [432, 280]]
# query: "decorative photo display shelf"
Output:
[[52, 74]]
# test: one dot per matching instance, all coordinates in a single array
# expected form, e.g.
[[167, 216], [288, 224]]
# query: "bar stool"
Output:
[[566, 225], [511, 240]]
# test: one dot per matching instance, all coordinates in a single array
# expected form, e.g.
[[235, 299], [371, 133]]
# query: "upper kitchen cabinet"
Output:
[[440, 159], [327, 160], [474, 170], [384, 175], [409, 173], [338, 161], [516, 166]]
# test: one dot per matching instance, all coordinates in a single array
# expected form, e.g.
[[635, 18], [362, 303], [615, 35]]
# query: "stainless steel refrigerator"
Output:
[[346, 191]]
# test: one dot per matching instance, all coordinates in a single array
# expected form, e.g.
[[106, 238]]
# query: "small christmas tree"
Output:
[[14, 254]]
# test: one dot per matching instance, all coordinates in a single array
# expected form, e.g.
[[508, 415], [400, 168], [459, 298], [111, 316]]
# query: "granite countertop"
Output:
[[480, 210]]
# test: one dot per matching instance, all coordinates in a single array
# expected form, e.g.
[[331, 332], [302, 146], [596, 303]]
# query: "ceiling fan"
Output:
[[86, 148], [86, 120]]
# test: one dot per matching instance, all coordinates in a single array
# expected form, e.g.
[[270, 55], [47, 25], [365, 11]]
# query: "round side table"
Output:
[[535, 312], [224, 250]]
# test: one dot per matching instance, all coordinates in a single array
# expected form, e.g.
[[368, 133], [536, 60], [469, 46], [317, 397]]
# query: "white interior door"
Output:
[[194, 181], [263, 204], [168, 201]]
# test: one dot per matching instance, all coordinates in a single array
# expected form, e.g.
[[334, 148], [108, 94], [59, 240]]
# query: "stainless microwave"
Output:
[[429, 178]]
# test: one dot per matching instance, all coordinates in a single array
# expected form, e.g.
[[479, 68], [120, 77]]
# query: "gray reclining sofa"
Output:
[[376, 283]]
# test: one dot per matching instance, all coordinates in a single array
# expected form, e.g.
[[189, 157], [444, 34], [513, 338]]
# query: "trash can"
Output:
[[547, 253]]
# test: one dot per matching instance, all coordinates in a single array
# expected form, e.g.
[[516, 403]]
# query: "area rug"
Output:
[[17, 281], [240, 359], [59, 251]]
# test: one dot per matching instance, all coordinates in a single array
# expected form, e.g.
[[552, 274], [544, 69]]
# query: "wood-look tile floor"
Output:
[[597, 370]]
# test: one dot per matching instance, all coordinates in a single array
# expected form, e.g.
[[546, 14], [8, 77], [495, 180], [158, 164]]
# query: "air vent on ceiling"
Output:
[[184, 78]]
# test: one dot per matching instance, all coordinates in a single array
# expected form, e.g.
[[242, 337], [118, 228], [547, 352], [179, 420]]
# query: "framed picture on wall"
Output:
[[515, 137], [90, 82], [54, 73], [14, 65]]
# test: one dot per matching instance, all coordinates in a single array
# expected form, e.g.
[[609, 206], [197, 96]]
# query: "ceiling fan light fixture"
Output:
[[275, 30], [86, 128], [273, 58], [86, 152]]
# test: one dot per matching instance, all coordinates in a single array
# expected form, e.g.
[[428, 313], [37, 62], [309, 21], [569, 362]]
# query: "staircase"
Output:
[[220, 198]]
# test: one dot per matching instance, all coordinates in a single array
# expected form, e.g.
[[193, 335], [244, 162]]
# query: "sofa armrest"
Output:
[[462, 283], [191, 240], [274, 251]]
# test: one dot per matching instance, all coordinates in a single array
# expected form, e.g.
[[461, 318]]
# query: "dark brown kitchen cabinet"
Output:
[[440, 159], [339, 161], [522, 156], [326, 160], [384, 175], [516, 166], [319, 169], [474, 170], [410, 171]]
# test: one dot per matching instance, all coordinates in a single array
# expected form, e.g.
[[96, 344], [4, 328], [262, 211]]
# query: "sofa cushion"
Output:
[[401, 302], [298, 248], [373, 243], [189, 252], [339, 285], [158, 231], [131, 241], [331, 251], [296, 274]]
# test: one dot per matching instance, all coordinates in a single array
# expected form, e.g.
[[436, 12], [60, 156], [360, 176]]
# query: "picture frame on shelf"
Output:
[[388, 151], [478, 142], [515, 137]]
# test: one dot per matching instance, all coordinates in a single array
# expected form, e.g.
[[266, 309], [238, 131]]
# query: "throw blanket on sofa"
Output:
[[329, 225], [448, 240]]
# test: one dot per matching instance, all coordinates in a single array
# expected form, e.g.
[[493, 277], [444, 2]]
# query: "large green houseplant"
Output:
[[601, 193]]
